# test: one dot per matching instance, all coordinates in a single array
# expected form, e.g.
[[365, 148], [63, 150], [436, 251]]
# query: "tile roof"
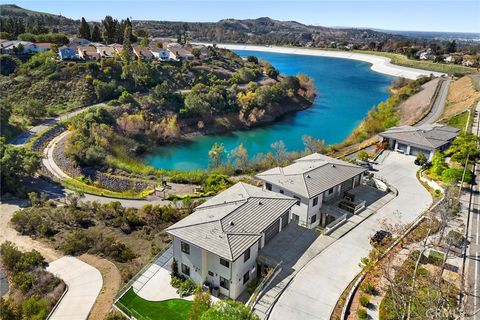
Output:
[[231, 222], [430, 136], [311, 175]]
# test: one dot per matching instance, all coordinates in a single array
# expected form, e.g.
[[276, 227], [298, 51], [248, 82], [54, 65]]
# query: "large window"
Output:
[[313, 218], [246, 277], [268, 186], [246, 255], [298, 200], [330, 191], [224, 283], [185, 269], [315, 201], [185, 247], [224, 263]]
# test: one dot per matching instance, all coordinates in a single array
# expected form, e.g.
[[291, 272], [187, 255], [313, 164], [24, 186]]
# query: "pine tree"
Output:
[[84, 30], [109, 29], [96, 34]]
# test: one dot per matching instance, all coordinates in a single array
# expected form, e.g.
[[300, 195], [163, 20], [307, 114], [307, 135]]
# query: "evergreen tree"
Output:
[[96, 34], [109, 29], [127, 45], [84, 30]]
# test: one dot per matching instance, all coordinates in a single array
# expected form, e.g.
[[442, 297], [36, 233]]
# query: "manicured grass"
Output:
[[142, 309], [459, 121], [76, 185]]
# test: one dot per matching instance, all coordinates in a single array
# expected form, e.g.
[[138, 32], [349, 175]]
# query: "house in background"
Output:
[[312, 180], [67, 53], [88, 53], [17, 47], [74, 43], [160, 54], [219, 242], [41, 47], [142, 53], [106, 51], [426, 138]]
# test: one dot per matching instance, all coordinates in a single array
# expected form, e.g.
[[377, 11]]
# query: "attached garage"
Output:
[[402, 147], [414, 151], [272, 231], [285, 219]]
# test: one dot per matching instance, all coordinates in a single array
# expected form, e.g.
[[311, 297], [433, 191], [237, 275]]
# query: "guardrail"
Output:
[[332, 226], [127, 286], [252, 301]]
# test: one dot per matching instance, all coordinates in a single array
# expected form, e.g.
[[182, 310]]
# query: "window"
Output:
[[313, 218], [185, 270], [185, 247], [210, 273], [224, 283], [246, 255], [315, 201], [246, 277], [281, 191], [298, 200], [330, 191], [224, 263], [268, 186]]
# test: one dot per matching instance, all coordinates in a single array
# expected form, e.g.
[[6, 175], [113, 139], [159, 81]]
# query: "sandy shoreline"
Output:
[[379, 64]]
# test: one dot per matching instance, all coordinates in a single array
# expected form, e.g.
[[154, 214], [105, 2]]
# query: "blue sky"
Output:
[[454, 16]]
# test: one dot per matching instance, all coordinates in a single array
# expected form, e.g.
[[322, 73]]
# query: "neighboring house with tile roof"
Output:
[[142, 53], [312, 180], [88, 53], [426, 138], [219, 242], [67, 53], [106, 51]]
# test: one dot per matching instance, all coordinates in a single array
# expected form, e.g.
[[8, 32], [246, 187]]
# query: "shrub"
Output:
[[35, 308], [436, 258], [368, 288], [23, 281], [364, 300], [187, 288], [454, 175], [362, 314], [77, 242], [362, 155], [217, 182]]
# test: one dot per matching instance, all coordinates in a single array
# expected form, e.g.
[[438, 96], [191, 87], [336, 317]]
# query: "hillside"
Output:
[[256, 31], [260, 31]]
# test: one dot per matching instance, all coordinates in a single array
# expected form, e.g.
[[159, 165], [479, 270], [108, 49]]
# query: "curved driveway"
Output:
[[314, 291], [438, 105]]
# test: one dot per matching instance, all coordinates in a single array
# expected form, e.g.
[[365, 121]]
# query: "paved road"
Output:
[[315, 290], [84, 283], [27, 135], [439, 104], [473, 256]]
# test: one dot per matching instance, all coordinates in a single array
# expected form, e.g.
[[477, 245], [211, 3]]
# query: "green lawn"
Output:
[[459, 121], [142, 309]]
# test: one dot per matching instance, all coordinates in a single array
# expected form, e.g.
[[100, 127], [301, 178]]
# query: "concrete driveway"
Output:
[[314, 291], [84, 284]]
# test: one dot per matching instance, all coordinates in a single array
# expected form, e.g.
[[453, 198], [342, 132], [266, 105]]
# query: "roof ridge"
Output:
[[191, 225]]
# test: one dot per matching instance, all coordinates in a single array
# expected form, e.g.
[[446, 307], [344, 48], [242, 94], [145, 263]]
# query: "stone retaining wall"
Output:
[[104, 180], [41, 142]]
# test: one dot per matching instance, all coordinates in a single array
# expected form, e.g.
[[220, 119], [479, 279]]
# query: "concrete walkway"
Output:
[[84, 283], [315, 289], [438, 105]]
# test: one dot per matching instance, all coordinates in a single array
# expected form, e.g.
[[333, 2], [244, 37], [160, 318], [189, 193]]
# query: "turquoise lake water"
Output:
[[347, 90]]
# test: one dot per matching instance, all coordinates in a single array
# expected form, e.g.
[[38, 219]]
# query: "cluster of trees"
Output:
[[238, 160], [34, 290], [58, 39], [11, 27], [464, 148], [113, 31], [16, 165]]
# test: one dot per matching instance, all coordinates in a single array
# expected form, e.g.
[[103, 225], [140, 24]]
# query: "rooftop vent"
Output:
[[308, 176], [231, 223], [260, 203], [333, 166]]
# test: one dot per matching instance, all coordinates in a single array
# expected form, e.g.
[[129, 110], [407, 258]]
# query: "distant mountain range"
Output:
[[255, 31]]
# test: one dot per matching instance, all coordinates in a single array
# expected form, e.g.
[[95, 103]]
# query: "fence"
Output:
[[129, 284], [332, 226]]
